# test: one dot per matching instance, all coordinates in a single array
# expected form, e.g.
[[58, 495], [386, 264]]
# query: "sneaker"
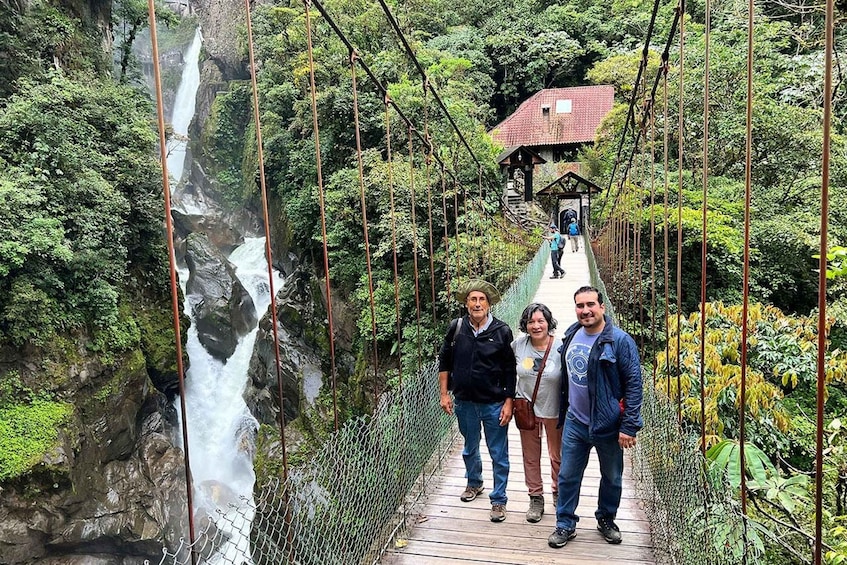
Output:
[[560, 537], [471, 493], [498, 512], [555, 277], [611, 532], [536, 508]]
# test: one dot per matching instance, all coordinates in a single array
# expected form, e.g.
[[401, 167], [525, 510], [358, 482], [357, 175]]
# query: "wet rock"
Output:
[[222, 308]]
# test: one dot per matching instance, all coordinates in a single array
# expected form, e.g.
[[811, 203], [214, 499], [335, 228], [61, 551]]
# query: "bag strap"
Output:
[[541, 370]]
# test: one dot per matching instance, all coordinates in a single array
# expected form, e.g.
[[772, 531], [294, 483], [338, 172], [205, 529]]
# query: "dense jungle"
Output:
[[91, 462]]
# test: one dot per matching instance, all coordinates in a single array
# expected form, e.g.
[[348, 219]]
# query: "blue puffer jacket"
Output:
[[614, 382], [482, 368]]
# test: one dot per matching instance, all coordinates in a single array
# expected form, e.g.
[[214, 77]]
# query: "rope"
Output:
[[322, 202], [363, 200], [169, 231]]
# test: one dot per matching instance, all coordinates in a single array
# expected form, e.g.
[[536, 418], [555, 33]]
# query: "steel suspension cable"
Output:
[[397, 319], [412, 204], [703, 246], [428, 179], [371, 75], [652, 112], [266, 219], [665, 57], [446, 232], [322, 203], [630, 117], [427, 85], [666, 226], [679, 157], [821, 365], [390, 168], [364, 206], [748, 182], [169, 234]]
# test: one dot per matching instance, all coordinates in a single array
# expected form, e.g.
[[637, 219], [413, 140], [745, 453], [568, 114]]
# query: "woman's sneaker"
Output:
[[536, 508]]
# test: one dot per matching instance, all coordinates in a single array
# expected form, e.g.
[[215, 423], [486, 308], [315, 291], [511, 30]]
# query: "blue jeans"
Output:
[[473, 417], [576, 445]]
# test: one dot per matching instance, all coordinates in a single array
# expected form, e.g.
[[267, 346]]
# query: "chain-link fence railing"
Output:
[[693, 518]]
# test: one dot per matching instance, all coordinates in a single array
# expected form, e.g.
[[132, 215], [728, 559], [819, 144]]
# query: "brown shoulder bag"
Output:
[[523, 409]]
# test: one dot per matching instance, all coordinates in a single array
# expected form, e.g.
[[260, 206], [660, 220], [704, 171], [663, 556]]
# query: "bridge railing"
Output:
[[348, 502]]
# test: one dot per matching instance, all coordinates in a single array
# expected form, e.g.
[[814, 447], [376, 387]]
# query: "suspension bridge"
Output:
[[381, 488]]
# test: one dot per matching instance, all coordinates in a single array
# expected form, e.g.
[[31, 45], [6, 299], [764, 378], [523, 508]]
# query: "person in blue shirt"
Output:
[[555, 239], [601, 408], [573, 235]]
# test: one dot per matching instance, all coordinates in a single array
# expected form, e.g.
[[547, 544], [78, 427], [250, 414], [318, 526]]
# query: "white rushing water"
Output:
[[221, 429], [183, 109]]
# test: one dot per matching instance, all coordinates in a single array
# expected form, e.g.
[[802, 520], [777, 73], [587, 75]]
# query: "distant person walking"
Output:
[[539, 325], [477, 364], [573, 234], [556, 244], [601, 408]]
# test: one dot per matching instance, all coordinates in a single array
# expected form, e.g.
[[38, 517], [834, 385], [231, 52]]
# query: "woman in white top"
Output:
[[538, 325]]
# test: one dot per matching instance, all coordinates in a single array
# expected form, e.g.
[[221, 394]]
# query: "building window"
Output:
[[564, 106]]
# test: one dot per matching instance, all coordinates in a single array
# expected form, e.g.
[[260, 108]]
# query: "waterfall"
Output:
[[183, 109], [221, 429]]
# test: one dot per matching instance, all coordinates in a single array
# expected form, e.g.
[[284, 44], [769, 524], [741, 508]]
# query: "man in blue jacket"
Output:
[[477, 364], [600, 408]]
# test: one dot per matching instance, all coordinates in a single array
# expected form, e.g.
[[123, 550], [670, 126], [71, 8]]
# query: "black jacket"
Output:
[[482, 368]]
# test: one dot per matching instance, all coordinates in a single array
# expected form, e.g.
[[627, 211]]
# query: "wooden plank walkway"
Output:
[[448, 531]]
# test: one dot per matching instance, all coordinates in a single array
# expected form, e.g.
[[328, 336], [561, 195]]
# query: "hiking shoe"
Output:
[[471, 493], [536, 508], [498, 512], [611, 532], [560, 537]]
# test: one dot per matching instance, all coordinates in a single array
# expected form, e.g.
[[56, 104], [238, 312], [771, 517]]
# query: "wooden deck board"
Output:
[[451, 532]]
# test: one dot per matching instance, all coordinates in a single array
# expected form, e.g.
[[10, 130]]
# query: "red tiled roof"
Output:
[[530, 126]]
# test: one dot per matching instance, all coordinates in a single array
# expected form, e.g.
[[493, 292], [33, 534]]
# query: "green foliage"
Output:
[[836, 262], [29, 426], [726, 456], [78, 205]]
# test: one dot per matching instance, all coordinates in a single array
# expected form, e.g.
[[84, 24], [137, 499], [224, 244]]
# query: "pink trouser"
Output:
[[531, 448]]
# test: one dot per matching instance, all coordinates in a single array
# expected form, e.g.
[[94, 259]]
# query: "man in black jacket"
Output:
[[477, 364]]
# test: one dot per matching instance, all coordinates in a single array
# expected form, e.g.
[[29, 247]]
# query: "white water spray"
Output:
[[221, 429]]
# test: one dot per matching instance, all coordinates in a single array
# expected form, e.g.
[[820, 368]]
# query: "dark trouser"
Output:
[[555, 254]]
